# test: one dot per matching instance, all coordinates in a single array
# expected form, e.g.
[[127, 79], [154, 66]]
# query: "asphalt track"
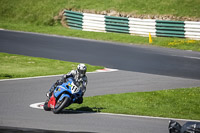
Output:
[[135, 58], [141, 69]]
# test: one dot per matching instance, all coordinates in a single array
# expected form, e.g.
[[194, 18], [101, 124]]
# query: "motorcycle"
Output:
[[63, 96], [188, 127]]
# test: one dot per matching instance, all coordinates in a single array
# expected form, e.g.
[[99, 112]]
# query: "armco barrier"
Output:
[[117, 24], [170, 28], [103, 23], [74, 19]]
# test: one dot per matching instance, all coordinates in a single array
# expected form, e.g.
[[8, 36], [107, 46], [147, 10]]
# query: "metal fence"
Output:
[[103, 23]]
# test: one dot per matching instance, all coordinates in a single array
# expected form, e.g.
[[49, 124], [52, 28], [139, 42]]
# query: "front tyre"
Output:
[[61, 105]]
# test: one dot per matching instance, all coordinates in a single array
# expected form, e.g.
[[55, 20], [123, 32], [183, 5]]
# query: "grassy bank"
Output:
[[42, 12], [177, 103], [18, 66], [38, 16]]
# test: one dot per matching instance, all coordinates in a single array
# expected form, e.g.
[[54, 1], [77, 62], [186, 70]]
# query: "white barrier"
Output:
[[93, 22], [192, 29], [142, 26]]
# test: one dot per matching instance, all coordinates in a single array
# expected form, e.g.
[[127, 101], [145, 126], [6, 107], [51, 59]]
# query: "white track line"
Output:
[[37, 105], [40, 106], [148, 117], [30, 78], [97, 71], [189, 57]]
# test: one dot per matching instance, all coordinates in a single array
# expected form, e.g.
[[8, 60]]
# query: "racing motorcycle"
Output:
[[63, 96]]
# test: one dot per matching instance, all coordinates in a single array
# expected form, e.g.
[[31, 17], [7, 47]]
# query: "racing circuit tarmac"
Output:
[[141, 68]]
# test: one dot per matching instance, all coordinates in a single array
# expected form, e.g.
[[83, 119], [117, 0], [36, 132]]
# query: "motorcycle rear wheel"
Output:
[[46, 108], [62, 105]]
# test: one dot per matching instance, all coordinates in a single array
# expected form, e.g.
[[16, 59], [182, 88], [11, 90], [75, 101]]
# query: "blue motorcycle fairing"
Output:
[[60, 89], [63, 96], [65, 90]]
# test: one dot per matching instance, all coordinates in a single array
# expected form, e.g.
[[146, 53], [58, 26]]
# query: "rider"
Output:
[[78, 75]]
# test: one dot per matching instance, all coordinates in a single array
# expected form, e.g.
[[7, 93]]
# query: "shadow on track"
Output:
[[30, 130], [82, 110]]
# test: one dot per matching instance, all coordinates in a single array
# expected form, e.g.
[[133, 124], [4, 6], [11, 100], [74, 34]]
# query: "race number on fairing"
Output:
[[74, 88]]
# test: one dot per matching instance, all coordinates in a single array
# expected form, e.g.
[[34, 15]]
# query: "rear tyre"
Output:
[[61, 105], [46, 108]]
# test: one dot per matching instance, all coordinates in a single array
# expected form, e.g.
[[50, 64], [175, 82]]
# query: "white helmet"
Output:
[[81, 68]]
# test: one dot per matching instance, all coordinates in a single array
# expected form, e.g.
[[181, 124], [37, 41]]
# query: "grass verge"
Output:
[[18, 66], [38, 12], [176, 103]]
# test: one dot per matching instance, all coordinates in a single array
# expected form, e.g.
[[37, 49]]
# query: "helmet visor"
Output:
[[81, 72]]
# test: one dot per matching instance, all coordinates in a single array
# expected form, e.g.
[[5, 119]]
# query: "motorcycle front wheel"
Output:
[[61, 105]]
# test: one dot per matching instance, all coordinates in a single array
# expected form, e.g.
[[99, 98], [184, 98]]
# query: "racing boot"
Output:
[[49, 93], [53, 87]]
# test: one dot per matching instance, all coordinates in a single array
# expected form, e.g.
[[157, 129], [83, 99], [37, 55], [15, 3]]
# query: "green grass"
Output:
[[42, 12], [38, 16], [140, 7], [177, 103], [18, 66]]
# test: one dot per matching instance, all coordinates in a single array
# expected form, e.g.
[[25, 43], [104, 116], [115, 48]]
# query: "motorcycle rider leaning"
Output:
[[78, 75]]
